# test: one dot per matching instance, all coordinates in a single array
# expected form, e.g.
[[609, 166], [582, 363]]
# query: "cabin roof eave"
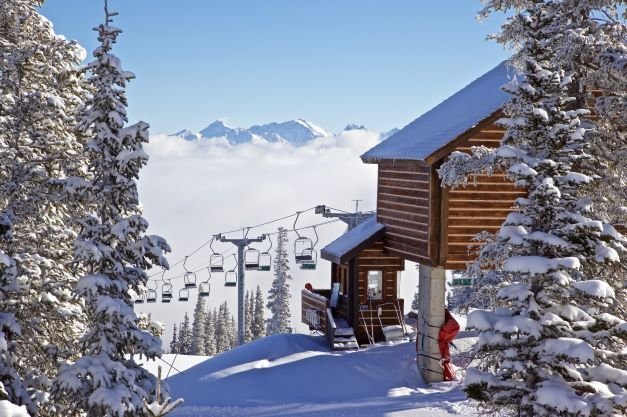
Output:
[[347, 246]]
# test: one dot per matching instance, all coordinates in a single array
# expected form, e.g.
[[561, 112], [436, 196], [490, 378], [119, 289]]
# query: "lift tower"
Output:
[[351, 219], [241, 311]]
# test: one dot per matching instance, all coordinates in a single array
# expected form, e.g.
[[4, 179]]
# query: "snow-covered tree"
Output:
[[40, 86], [552, 348], [210, 333], [249, 308], [174, 344], [232, 333], [258, 325], [185, 336], [279, 294], [114, 251], [198, 327]]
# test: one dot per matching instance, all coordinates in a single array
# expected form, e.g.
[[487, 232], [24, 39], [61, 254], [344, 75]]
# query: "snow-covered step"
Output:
[[345, 346], [344, 332]]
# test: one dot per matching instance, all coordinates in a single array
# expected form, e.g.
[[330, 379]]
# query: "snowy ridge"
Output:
[[296, 132]]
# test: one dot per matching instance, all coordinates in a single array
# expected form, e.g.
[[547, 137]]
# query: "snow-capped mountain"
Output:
[[296, 132]]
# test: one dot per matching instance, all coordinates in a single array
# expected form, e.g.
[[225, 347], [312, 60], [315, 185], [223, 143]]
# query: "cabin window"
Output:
[[375, 285]]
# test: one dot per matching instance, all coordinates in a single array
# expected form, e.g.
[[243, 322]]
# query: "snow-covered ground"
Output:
[[296, 375]]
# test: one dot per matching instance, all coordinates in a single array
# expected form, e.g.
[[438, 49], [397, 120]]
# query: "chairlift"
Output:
[[166, 292], [189, 279], [183, 294], [139, 299], [311, 263], [151, 293], [230, 277], [303, 246], [265, 259], [216, 260], [204, 289], [251, 259]]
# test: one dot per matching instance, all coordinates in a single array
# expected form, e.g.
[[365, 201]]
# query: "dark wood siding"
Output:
[[482, 205], [403, 207]]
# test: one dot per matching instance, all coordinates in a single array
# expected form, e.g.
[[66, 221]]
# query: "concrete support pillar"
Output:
[[432, 288]]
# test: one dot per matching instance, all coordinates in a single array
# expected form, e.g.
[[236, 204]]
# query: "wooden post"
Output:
[[432, 285], [353, 292]]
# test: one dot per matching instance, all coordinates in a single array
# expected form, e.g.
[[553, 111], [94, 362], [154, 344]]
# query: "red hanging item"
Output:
[[448, 331]]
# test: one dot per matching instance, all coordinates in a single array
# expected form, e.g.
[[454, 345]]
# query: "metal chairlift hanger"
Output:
[[216, 260], [204, 289], [230, 276], [303, 246], [312, 253], [151, 293], [265, 259], [189, 279], [166, 291], [251, 256]]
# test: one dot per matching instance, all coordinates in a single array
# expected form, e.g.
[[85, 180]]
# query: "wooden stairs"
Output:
[[341, 335]]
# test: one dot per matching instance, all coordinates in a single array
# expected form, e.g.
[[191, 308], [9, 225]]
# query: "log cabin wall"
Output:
[[481, 205], [403, 206], [377, 258]]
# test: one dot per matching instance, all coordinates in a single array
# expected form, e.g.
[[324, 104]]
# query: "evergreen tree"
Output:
[[210, 333], [552, 348], [258, 322], [223, 336], [114, 249], [198, 328], [249, 308], [174, 342], [40, 87], [232, 333], [185, 336], [279, 294]]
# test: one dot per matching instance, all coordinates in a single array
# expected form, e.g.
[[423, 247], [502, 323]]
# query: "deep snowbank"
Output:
[[296, 375]]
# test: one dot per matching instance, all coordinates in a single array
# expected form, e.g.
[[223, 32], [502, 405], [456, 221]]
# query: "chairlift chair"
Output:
[[189, 279], [204, 289], [230, 277], [140, 298], [301, 244], [166, 292], [151, 296], [183, 294], [311, 264], [265, 259], [251, 259], [303, 249], [216, 263]]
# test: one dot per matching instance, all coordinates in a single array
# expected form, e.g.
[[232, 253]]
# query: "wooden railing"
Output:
[[314, 304]]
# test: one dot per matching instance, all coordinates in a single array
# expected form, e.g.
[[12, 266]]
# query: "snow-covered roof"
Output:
[[352, 241], [446, 121]]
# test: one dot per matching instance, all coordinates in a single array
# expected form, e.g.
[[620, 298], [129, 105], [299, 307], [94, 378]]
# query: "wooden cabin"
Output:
[[419, 220], [366, 279], [425, 222]]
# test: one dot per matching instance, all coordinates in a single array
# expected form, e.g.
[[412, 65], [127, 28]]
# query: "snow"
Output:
[[440, 125], [297, 375], [595, 288], [296, 132], [8, 409], [352, 239], [560, 396], [534, 265], [576, 349]]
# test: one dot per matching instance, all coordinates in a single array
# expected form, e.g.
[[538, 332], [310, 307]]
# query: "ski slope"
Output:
[[296, 375]]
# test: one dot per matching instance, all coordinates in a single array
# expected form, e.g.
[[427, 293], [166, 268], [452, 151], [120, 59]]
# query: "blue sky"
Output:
[[333, 62]]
